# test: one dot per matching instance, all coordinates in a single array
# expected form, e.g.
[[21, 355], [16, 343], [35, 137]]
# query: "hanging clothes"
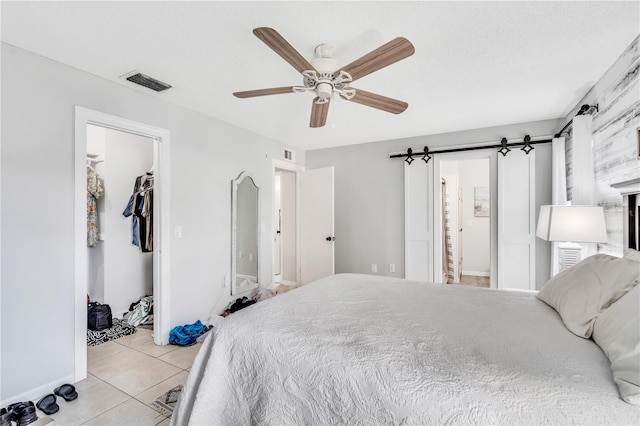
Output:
[[95, 189], [146, 217], [140, 207]]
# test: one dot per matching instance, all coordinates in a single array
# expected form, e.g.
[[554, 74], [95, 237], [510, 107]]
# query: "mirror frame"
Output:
[[234, 223]]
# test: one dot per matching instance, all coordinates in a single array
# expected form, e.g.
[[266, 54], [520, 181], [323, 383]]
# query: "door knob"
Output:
[[330, 238]]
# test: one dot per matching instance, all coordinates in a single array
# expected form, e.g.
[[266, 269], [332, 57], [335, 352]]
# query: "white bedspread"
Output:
[[365, 350]]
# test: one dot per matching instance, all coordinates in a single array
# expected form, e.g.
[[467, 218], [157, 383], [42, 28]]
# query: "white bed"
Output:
[[358, 349]]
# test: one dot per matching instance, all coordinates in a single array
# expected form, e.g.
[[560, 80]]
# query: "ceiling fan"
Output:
[[324, 76]]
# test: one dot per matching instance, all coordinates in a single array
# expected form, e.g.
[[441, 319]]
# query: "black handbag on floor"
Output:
[[99, 316]]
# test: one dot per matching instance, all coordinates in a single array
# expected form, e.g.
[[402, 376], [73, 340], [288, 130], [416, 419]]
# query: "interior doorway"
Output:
[[161, 232], [465, 197], [303, 212], [120, 241], [285, 225], [285, 236]]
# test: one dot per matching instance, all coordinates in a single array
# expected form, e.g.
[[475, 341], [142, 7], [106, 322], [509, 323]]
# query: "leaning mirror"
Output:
[[245, 240]]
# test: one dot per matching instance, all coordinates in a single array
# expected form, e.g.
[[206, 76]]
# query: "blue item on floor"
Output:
[[186, 335]]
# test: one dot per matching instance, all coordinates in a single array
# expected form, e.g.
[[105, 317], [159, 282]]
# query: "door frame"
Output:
[[490, 154], [297, 169], [161, 226]]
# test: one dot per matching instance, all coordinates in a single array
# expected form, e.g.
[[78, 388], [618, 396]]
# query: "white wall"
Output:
[[369, 195], [37, 223]]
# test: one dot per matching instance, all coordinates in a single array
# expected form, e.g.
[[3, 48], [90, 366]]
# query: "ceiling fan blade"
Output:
[[278, 44], [383, 103], [387, 54], [319, 114], [263, 92]]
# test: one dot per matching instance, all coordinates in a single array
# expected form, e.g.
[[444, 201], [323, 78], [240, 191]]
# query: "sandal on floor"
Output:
[[68, 392], [48, 404]]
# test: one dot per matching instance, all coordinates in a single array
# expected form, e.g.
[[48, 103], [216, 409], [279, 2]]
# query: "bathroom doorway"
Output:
[[465, 221]]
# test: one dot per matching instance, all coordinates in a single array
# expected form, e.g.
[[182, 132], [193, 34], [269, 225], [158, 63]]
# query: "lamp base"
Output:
[[569, 254]]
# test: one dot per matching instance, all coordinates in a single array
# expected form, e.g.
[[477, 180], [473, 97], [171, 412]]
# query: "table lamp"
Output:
[[571, 224]]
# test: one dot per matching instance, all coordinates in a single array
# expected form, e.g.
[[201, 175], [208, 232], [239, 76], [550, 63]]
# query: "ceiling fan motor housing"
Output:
[[326, 66], [324, 90]]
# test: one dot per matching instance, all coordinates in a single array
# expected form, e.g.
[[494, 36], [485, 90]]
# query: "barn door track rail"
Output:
[[503, 146]]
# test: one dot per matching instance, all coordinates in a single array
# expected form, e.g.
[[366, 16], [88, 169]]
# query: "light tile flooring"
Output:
[[125, 376]]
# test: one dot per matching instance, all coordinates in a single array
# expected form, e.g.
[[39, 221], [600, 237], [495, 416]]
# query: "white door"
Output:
[[418, 221], [516, 220], [316, 224]]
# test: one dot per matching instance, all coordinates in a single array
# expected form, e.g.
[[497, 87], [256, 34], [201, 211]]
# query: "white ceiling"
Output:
[[477, 64]]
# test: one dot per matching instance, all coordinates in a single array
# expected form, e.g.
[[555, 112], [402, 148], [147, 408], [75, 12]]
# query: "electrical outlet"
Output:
[[374, 267], [224, 281], [392, 267], [177, 231]]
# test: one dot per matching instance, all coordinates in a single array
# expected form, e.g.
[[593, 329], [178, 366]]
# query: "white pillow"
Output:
[[581, 292], [632, 254], [617, 332]]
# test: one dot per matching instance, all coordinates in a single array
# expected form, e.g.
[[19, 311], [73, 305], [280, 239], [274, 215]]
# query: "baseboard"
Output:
[[38, 392], [289, 283], [476, 273]]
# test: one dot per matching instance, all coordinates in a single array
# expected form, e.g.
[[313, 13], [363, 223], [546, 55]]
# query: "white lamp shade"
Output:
[[578, 224]]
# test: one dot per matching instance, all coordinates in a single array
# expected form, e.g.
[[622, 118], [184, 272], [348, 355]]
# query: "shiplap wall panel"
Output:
[[615, 141]]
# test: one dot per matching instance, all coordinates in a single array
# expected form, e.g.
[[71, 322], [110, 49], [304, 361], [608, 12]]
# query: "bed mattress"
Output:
[[358, 349]]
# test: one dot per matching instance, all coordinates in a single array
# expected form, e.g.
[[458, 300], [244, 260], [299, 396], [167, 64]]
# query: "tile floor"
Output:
[[124, 377]]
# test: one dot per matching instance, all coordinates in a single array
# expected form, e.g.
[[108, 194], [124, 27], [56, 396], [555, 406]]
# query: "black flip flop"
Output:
[[48, 404], [67, 391]]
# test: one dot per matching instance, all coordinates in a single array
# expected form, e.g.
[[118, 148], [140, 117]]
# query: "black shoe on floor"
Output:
[[23, 413], [5, 417]]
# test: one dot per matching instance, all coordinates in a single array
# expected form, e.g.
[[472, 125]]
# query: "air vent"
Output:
[[288, 155], [569, 256], [148, 82]]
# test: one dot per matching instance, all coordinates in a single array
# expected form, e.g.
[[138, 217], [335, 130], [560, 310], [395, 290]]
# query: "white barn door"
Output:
[[418, 221], [516, 220], [316, 224]]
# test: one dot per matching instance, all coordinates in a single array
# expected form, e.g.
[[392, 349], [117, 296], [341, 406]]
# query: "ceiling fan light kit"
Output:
[[323, 75], [325, 84]]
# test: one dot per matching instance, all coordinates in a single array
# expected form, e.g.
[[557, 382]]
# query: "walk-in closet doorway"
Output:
[[120, 215], [149, 269]]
